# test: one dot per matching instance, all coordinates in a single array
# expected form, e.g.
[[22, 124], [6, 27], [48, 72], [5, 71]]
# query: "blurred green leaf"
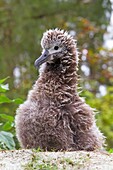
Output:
[[4, 87], [3, 80], [7, 126], [111, 150], [7, 139], [4, 99], [17, 101], [7, 117], [1, 124]]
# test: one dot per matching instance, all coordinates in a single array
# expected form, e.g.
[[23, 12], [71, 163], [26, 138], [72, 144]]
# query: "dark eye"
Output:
[[56, 48]]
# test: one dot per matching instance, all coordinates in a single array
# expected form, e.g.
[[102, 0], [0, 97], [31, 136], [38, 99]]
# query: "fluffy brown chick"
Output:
[[54, 117]]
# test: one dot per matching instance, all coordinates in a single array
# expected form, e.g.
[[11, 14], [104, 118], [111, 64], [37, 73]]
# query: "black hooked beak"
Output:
[[43, 58]]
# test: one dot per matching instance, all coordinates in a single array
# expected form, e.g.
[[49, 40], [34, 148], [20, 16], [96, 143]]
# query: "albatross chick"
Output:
[[54, 117]]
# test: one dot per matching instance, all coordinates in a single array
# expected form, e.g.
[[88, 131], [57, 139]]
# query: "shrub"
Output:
[[104, 107], [6, 121]]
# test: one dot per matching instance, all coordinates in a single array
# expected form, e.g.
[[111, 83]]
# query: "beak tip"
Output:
[[43, 58], [36, 65]]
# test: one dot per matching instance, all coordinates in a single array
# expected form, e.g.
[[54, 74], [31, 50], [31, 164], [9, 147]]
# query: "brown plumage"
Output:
[[54, 117]]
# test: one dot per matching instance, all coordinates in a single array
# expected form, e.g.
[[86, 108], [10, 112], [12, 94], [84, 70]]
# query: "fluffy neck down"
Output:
[[58, 81]]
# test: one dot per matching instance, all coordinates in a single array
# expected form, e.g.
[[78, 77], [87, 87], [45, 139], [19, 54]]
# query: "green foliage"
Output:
[[111, 150], [104, 107], [6, 140], [6, 121]]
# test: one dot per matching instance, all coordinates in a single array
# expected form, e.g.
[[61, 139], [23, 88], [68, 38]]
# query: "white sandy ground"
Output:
[[79, 160]]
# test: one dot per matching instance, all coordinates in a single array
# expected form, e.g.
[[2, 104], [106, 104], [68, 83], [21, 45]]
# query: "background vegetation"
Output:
[[22, 24]]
